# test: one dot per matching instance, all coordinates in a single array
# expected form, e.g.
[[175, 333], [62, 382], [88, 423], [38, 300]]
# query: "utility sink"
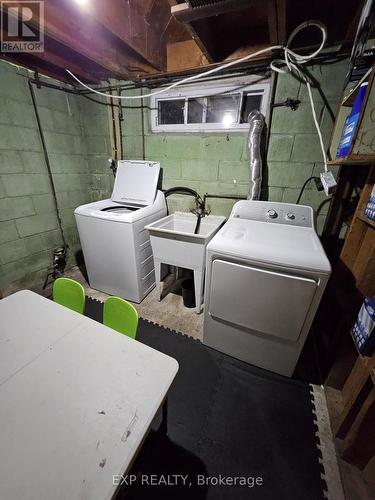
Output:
[[173, 242]]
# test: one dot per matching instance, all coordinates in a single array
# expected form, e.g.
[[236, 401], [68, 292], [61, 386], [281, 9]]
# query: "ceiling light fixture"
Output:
[[81, 3]]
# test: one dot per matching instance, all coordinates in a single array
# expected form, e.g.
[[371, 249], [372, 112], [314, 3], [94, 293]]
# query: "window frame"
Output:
[[242, 86]]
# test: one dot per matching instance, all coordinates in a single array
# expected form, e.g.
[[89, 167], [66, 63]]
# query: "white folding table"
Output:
[[76, 401]]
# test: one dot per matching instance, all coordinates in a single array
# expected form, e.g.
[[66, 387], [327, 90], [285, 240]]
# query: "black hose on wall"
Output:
[[48, 164]]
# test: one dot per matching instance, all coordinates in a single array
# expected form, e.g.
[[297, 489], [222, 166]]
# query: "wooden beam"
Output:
[[204, 43], [85, 36], [276, 16], [129, 22], [272, 22], [176, 32], [34, 64], [58, 58], [249, 49], [186, 14], [281, 21], [92, 39], [184, 55], [158, 17]]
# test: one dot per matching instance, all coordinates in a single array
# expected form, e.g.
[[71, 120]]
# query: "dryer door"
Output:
[[262, 300]]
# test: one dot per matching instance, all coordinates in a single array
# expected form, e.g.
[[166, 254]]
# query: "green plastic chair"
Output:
[[121, 316], [69, 293]]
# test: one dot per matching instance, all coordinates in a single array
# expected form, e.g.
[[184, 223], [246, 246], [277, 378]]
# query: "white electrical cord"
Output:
[[184, 80], [292, 60]]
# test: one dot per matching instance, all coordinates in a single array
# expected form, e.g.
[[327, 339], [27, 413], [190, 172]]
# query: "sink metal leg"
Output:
[[158, 279], [198, 286]]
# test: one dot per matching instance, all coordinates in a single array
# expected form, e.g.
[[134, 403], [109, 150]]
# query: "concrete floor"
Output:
[[354, 481], [171, 313]]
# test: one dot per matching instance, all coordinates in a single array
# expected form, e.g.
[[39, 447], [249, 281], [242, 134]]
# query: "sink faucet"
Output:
[[200, 206], [200, 211]]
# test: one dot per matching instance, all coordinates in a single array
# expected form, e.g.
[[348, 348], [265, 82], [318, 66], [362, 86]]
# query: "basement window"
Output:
[[209, 107]]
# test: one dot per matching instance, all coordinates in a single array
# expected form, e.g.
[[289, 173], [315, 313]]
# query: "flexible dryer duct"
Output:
[[256, 121]]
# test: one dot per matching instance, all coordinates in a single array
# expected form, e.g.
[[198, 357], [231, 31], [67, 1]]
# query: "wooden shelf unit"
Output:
[[366, 220], [357, 259], [362, 149], [358, 252], [353, 160]]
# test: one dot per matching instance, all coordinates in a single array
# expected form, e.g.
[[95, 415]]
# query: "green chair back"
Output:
[[69, 293], [121, 316]]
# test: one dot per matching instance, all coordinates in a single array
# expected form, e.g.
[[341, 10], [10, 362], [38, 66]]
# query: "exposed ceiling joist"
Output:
[[138, 24], [111, 39], [129, 38], [185, 13], [281, 21], [94, 39], [276, 21], [58, 58], [203, 38]]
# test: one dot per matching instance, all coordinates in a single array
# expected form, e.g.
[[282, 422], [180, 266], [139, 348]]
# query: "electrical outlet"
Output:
[[329, 182]]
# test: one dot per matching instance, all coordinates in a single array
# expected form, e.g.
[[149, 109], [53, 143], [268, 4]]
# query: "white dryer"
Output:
[[115, 244], [266, 273]]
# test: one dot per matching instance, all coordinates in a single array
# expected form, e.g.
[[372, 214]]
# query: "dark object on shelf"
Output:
[[363, 330], [188, 295], [363, 53], [369, 211]]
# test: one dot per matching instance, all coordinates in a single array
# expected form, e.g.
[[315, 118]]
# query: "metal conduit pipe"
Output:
[[256, 121]]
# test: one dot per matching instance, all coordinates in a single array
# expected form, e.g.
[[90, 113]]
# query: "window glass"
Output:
[[195, 110], [209, 107], [223, 109], [250, 102], [171, 112]]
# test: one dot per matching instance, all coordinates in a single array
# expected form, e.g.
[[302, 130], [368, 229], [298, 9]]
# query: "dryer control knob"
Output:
[[290, 216], [272, 214]]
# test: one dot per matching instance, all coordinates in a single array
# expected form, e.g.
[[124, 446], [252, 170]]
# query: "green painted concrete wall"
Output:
[[78, 143], [219, 163], [76, 135]]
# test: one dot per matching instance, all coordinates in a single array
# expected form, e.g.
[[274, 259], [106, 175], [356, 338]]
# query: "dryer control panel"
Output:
[[274, 212]]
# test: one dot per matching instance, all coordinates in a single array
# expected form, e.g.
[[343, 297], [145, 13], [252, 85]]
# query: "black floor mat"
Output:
[[226, 419]]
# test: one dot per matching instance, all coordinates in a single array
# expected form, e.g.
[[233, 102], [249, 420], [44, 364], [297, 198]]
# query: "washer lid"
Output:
[[136, 182], [284, 245]]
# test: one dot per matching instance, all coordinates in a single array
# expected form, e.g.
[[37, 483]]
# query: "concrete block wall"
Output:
[[95, 129], [78, 143], [294, 153], [209, 163], [131, 126], [219, 163], [28, 222]]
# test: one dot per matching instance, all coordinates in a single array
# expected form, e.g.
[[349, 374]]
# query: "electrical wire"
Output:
[[292, 60], [304, 186], [184, 80], [319, 132]]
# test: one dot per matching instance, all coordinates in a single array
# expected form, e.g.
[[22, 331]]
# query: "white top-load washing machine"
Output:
[[266, 273], [115, 244]]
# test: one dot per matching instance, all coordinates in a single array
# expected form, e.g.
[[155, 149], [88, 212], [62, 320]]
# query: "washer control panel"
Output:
[[274, 212]]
